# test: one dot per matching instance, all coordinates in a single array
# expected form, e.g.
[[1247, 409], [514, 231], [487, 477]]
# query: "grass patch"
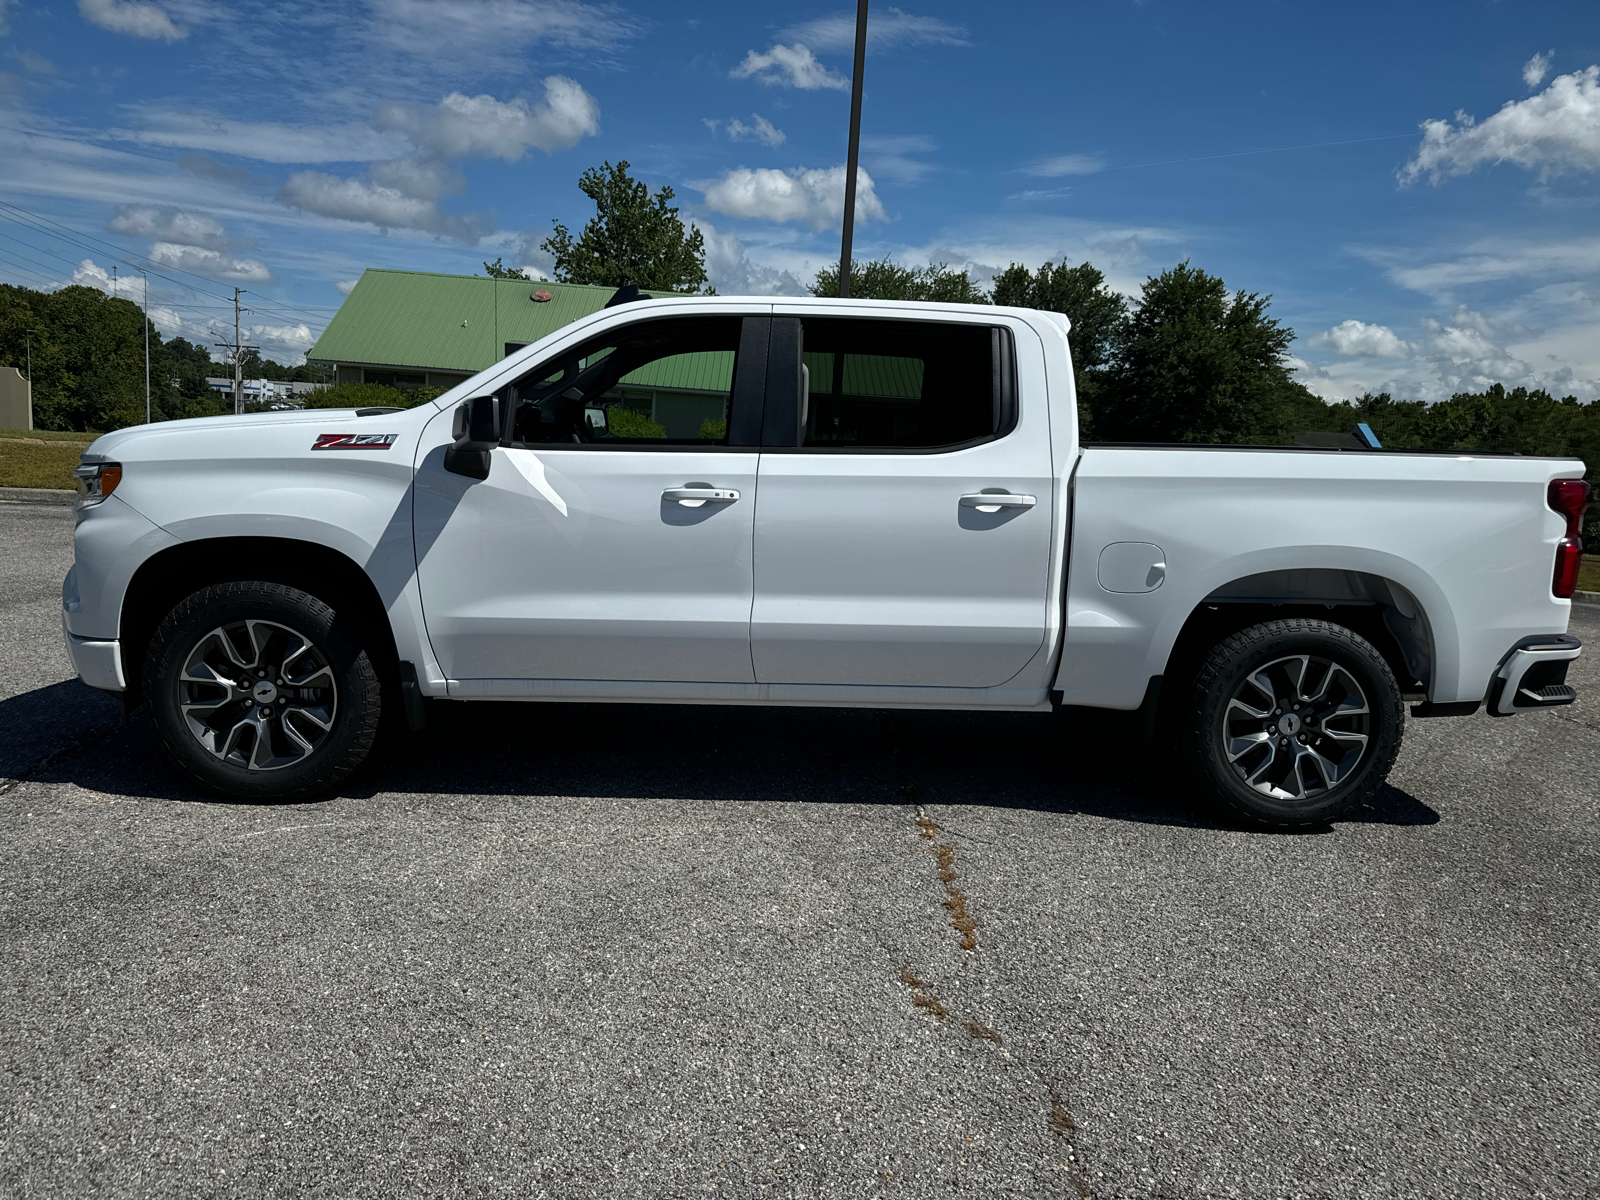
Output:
[[48, 435], [1589, 573], [42, 464]]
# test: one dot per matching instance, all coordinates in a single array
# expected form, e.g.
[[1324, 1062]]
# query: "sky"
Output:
[[1414, 184]]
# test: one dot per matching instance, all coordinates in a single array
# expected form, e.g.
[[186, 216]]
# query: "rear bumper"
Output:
[[1534, 675], [98, 663]]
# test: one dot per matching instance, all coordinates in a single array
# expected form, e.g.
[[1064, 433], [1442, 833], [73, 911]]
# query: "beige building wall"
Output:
[[16, 400]]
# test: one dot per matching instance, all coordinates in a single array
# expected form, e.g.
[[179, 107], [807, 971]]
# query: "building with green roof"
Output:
[[415, 329]]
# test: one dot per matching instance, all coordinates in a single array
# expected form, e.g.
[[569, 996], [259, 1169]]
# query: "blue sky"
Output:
[[1415, 184]]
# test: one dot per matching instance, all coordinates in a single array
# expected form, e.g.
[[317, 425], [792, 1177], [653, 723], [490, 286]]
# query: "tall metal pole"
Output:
[[146, 347], [238, 359], [845, 249]]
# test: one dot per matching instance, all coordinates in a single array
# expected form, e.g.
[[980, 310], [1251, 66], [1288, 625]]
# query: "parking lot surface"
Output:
[[638, 951]]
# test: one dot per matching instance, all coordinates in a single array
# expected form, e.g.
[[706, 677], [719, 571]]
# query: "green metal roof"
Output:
[[419, 319]]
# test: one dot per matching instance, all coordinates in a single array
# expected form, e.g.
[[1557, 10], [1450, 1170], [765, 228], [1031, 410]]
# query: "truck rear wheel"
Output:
[[1294, 722], [259, 690]]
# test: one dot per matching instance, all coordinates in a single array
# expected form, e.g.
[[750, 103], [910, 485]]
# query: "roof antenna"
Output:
[[626, 294]]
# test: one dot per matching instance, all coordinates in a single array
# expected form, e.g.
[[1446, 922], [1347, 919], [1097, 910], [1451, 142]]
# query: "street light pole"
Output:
[[846, 249]]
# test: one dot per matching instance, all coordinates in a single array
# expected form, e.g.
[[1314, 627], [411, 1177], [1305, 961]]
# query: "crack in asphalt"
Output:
[[1057, 1119]]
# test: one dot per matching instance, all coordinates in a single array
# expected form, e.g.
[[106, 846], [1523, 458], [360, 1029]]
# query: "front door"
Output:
[[612, 538], [903, 535]]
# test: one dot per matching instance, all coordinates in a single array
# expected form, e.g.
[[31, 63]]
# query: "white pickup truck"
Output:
[[808, 502]]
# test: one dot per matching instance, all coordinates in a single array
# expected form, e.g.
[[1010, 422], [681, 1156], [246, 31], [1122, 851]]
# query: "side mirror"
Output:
[[477, 432], [597, 421]]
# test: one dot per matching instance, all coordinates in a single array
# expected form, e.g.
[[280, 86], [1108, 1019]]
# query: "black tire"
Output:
[[310, 738], [1300, 762]]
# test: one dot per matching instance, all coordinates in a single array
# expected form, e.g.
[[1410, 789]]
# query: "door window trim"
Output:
[[780, 427]]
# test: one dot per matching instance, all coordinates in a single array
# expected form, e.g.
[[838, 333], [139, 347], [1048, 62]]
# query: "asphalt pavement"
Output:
[[640, 951]]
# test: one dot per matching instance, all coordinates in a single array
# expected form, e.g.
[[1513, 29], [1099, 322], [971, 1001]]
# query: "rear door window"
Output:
[[902, 385]]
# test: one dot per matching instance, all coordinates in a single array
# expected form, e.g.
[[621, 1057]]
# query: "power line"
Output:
[[125, 256]]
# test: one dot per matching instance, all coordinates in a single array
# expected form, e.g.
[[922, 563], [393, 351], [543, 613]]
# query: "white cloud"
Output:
[[1555, 131], [404, 193], [34, 64], [346, 286], [1469, 350], [282, 341], [1065, 164], [891, 27], [895, 158], [132, 17], [1536, 68], [266, 141], [89, 273], [495, 34], [789, 66], [482, 127], [1487, 261], [210, 263], [4, 26], [760, 130], [814, 198], [167, 224], [371, 203], [732, 272], [1357, 339]]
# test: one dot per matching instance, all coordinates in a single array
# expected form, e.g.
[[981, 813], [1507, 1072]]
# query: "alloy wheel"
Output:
[[258, 694], [1296, 727]]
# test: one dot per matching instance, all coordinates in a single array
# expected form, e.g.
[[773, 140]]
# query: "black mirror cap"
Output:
[[474, 464], [477, 424], [476, 429]]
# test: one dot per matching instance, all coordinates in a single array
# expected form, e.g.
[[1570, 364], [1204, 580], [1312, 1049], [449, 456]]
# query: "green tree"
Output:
[[498, 270], [881, 279], [1098, 315], [1196, 365], [370, 395], [632, 238]]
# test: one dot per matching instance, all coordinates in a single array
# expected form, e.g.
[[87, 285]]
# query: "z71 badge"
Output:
[[354, 441]]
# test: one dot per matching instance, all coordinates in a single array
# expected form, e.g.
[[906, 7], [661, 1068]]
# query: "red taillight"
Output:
[[1569, 497], [1569, 557]]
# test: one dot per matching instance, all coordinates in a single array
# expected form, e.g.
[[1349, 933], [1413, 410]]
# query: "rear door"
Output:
[[612, 538], [906, 497]]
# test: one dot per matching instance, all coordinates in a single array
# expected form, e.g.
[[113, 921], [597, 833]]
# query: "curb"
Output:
[[36, 495], [1586, 597]]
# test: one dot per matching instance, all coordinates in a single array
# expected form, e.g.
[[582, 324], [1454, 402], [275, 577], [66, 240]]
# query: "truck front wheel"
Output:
[[1294, 722], [259, 690]]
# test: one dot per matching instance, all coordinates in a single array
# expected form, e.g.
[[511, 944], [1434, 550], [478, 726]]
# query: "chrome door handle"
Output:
[[995, 501], [696, 496]]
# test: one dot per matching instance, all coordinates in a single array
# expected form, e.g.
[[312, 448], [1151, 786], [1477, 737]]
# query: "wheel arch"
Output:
[[168, 576], [1377, 607]]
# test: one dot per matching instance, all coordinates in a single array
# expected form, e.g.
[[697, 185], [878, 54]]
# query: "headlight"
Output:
[[96, 481]]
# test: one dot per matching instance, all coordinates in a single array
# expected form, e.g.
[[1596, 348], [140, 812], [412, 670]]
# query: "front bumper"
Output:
[[1534, 675], [98, 663]]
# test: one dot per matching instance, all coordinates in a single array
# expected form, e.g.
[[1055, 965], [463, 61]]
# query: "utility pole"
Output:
[[238, 349], [146, 347], [846, 250], [28, 333]]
